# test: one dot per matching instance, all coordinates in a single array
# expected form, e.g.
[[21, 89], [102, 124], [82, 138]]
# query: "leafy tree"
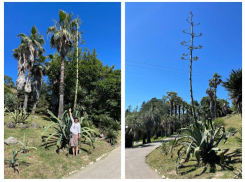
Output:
[[8, 81]]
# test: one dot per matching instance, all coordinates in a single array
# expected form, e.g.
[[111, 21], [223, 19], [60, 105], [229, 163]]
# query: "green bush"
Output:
[[219, 122], [10, 101], [110, 128], [7, 90], [232, 129]]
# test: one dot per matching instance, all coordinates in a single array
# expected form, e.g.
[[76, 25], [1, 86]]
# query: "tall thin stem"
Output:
[[75, 101]]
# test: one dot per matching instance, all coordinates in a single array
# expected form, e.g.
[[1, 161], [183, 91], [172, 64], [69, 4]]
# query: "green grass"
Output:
[[45, 163], [167, 165], [153, 139]]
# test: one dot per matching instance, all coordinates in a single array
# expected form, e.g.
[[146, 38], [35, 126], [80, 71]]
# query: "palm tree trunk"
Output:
[[175, 110], [170, 128], [215, 107], [179, 116], [25, 101], [174, 128], [27, 87], [61, 100], [144, 137], [171, 109], [148, 136], [34, 108]]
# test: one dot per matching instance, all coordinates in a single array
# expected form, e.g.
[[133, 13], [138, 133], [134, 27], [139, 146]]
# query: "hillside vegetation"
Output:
[[165, 165], [46, 163]]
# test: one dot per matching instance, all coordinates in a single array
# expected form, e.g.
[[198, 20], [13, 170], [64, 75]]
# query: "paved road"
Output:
[[107, 168], [135, 165]]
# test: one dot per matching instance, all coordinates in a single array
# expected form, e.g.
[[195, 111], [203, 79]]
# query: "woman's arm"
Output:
[[79, 132], [71, 116]]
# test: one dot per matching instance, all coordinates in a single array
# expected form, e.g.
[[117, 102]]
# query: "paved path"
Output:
[[107, 168], [135, 165]]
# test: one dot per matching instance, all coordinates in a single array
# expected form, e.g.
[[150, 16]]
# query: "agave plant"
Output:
[[25, 148], [14, 161], [61, 128], [238, 173], [19, 115], [87, 131], [201, 140]]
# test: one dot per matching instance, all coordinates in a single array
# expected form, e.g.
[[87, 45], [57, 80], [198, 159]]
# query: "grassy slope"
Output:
[[47, 163], [166, 166]]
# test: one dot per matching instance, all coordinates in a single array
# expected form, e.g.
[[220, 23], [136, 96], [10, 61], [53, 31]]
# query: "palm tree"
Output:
[[234, 86], [20, 54], [164, 124], [150, 117], [63, 36], [38, 71], [34, 43], [224, 104], [171, 97], [214, 82], [210, 93], [180, 102], [184, 106]]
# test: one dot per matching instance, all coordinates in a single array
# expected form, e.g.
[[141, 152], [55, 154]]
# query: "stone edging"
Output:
[[98, 159]]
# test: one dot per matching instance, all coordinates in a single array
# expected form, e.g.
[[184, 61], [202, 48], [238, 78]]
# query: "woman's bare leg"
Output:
[[73, 150], [76, 150]]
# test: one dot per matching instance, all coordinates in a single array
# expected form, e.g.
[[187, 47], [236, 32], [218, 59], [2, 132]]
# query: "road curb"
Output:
[[96, 160]]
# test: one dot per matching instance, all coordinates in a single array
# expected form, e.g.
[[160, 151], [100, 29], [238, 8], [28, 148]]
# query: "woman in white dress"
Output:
[[76, 134]]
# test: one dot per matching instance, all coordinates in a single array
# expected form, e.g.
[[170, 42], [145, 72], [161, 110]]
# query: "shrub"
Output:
[[219, 122], [10, 101], [111, 136], [110, 128], [239, 138], [7, 90], [231, 129]]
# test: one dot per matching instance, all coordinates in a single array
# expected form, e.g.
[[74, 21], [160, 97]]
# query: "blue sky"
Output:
[[101, 24], [153, 36]]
